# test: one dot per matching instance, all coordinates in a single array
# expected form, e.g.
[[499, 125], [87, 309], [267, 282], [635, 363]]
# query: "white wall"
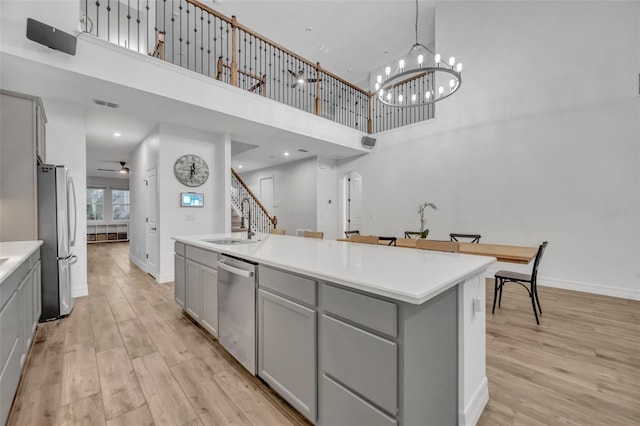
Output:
[[540, 143], [143, 158], [175, 220], [327, 198], [295, 193], [66, 145]]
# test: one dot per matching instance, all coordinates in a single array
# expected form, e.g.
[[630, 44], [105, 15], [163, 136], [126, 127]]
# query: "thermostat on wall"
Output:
[[191, 199]]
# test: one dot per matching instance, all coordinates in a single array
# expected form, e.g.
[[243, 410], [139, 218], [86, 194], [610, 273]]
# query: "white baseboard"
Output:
[[139, 263], [165, 278], [79, 291], [474, 408], [604, 290]]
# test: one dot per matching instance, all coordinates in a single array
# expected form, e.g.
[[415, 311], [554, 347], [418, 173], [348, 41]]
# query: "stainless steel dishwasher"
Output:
[[237, 309]]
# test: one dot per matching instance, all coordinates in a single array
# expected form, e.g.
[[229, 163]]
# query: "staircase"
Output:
[[236, 221], [261, 220]]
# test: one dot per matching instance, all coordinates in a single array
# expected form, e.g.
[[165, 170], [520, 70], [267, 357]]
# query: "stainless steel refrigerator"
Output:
[[57, 223]]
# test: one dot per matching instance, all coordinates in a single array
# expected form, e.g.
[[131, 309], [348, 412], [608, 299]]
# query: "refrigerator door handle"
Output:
[[73, 259], [72, 189]]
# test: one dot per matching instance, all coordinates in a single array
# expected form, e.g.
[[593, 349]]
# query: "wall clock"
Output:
[[191, 170]]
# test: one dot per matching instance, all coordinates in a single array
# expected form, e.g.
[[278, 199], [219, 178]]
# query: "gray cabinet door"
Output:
[[193, 296], [287, 337], [37, 297], [28, 310], [209, 320], [179, 279]]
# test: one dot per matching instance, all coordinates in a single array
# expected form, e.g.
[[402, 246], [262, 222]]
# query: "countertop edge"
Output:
[[16, 259], [365, 287]]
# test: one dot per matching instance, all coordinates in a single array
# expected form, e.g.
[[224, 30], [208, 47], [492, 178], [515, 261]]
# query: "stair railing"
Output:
[[261, 220]]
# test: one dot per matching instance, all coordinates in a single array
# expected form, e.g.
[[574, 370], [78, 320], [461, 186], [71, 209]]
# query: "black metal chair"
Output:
[[503, 277], [392, 240], [475, 238], [411, 234], [348, 234]]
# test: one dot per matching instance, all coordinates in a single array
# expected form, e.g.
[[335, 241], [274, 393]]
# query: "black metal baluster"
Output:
[[138, 26], [187, 41], [108, 20], [97, 18], [128, 42]]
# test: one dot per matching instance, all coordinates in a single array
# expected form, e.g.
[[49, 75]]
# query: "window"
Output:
[[95, 204], [120, 204]]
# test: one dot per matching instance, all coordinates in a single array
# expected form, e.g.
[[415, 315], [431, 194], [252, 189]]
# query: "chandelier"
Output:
[[430, 80]]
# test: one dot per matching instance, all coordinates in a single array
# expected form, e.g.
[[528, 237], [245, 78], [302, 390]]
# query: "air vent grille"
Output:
[[105, 103]]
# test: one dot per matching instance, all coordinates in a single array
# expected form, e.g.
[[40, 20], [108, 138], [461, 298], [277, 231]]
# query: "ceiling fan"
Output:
[[122, 169], [299, 79]]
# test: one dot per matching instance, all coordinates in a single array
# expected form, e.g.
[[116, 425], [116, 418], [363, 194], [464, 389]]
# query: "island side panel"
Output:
[[428, 361], [474, 390]]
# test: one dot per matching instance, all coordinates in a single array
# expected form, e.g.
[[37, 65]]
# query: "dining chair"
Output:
[[391, 240], [475, 238], [277, 231], [448, 246], [312, 234], [364, 239], [503, 277], [411, 234], [406, 242], [350, 233]]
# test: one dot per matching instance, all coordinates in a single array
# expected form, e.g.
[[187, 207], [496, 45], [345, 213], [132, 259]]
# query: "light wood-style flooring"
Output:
[[128, 356]]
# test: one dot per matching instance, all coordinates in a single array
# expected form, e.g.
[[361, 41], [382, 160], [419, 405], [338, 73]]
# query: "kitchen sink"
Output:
[[230, 241]]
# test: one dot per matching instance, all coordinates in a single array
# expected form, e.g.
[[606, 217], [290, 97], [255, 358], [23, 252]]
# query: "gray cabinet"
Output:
[[193, 290], [209, 318], [20, 307], [196, 285], [179, 268], [22, 138], [287, 337]]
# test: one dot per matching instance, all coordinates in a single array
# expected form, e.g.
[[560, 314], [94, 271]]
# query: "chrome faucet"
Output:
[[249, 233]]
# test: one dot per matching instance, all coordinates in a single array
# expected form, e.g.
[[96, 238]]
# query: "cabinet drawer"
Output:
[[361, 361], [9, 327], [33, 260], [11, 283], [293, 286], [179, 248], [341, 407], [367, 311], [205, 257]]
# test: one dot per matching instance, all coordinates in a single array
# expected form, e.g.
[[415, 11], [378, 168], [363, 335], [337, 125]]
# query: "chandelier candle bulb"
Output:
[[440, 90], [420, 59], [381, 93], [389, 96], [413, 97], [387, 71], [452, 83], [459, 67], [400, 98], [401, 64], [427, 95], [379, 78], [437, 58], [452, 61]]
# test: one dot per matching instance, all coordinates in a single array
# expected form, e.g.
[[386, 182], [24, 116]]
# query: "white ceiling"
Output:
[[361, 36]]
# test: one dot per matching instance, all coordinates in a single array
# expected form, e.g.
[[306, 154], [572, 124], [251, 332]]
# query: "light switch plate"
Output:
[[477, 305]]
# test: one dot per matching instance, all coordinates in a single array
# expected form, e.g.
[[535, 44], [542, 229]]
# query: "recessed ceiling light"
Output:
[[116, 134], [286, 154], [239, 166]]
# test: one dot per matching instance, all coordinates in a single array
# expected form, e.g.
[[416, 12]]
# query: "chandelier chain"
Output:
[[416, 22]]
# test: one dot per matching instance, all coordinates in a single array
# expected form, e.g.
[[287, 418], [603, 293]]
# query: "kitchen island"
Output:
[[352, 333]]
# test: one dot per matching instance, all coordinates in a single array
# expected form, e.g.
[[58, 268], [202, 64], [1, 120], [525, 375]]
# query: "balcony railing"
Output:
[[192, 35]]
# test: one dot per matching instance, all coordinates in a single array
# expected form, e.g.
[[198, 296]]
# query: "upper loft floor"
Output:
[[186, 51]]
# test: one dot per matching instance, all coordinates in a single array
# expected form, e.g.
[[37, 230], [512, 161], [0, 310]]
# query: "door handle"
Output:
[[154, 228]]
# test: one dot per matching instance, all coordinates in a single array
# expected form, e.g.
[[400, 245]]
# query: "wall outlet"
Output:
[[477, 305]]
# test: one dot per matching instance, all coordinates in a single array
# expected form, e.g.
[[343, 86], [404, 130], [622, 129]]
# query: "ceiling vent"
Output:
[[105, 103]]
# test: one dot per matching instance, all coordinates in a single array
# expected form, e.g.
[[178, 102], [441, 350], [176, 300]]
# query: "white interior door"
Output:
[[353, 202], [151, 214], [266, 193]]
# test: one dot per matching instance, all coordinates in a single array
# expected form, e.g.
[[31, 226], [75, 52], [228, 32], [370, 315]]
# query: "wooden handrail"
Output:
[[273, 219], [234, 23]]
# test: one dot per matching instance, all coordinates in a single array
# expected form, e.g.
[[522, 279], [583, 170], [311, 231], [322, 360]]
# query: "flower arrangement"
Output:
[[423, 221]]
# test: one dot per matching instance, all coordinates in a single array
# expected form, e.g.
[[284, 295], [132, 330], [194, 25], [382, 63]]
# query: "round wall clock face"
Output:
[[191, 170]]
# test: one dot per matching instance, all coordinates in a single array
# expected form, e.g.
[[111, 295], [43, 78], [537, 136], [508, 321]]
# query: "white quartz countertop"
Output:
[[13, 253], [402, 274]]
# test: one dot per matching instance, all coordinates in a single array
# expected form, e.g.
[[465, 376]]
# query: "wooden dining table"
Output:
[[503, 253]]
